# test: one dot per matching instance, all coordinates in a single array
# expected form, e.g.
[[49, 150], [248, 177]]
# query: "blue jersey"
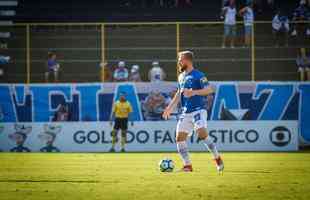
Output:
[[194, 80]]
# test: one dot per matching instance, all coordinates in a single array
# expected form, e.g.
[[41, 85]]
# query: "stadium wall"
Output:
[[250, 101]]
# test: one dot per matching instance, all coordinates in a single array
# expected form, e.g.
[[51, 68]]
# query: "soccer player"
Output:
[[193, 86], [121, 110]]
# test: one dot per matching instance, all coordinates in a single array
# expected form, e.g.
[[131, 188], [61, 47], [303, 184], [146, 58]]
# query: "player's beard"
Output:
[[182, 67]]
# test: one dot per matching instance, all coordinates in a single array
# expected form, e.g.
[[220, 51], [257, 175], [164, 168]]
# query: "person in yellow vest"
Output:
[[120, 112]]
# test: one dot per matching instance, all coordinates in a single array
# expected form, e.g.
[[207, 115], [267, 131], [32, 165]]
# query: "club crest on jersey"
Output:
[[204, 80]]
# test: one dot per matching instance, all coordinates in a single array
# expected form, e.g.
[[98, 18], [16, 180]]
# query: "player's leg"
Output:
[[182, 147], [114, 134], [200, 126], [203, 135], [46, 76], [225, 35], [301, 74], [308, 74], [184, 127], [208, 142], [286, 37], [248, 34], [124, 134], [55, 76], [123, 139], [233, 34]]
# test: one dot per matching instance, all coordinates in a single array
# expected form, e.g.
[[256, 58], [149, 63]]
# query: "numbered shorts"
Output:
[[192, 121]]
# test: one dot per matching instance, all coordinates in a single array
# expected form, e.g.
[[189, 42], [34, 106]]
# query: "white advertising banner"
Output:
[[146, 136]]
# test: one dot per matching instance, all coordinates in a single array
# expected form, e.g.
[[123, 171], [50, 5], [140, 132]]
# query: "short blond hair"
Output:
[[187, 54]]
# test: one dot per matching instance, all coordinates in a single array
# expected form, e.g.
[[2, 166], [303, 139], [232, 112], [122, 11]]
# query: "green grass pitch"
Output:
[[135, 176]]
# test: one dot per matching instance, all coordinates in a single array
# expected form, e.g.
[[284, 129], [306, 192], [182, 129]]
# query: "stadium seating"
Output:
[[79, 47]]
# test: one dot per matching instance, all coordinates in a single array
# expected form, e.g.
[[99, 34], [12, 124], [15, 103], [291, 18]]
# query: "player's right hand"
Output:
[[166, 113]]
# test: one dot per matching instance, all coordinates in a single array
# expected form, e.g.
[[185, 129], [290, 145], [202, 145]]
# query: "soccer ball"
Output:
[[166, 165]]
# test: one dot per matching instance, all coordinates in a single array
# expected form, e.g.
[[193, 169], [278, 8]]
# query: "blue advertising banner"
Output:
[[93, 102]]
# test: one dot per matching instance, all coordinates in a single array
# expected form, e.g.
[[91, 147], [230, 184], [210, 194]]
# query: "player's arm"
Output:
[[174, 102], [200, 92], [112, 117], [223, 12], [242, 11], [205, 90]]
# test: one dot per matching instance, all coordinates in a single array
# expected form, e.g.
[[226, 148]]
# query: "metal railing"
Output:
[[112, 41]]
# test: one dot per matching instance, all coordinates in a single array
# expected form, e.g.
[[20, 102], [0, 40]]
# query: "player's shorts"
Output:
[[192, 121], [230, 30], [303, 69], [121, 123], [247, 30]]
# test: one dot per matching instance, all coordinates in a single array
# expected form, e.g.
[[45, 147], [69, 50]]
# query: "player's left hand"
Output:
[[188, 93]]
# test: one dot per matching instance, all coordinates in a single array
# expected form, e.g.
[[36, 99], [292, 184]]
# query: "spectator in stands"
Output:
[[135, 74], [4, 37], [156, 73], [4, 60], [301, 14], [183, 3], [303, 64], [248, 18], [121, 72], [3, 45], [62, 114], [153, 106], [52, 67], [229, 14], [280, 26], [105, 72]]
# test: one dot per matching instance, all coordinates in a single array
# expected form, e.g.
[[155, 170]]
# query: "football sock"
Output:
[[123, 140], [211, 147], [113, 138], [183, 151]]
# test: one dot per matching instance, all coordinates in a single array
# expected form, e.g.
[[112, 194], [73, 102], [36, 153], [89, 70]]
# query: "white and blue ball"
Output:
[[166, 165]]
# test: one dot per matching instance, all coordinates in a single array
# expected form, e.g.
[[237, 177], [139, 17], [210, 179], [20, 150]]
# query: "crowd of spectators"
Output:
[[156, 3], [284, 24], [123, 73], [4, 59], [299, 29], [229, 14]]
